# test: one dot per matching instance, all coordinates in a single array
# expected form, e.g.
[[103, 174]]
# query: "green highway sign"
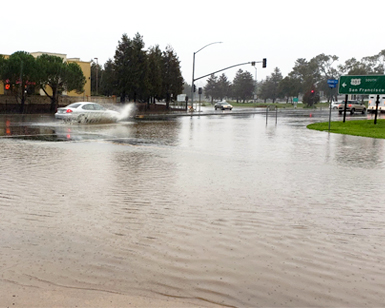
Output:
[[365, 84]]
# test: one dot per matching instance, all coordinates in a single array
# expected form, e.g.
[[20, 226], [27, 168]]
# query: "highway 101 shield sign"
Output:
[[364, 84]]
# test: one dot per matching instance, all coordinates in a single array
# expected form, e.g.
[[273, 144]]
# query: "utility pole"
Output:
[[97, 77]]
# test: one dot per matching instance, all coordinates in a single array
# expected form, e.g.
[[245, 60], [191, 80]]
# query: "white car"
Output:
[[86, 112], [223, 105], [335, 105]]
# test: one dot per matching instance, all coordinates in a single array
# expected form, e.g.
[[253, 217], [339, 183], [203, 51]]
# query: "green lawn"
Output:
[[364, 128]]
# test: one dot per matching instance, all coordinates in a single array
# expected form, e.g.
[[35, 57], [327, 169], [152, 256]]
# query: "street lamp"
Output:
[[97, 75], [193, 71]]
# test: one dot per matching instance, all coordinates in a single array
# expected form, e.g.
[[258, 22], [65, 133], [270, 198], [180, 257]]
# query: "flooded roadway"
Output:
[[219, 210]]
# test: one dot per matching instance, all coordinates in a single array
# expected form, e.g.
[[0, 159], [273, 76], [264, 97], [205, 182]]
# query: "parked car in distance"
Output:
[[335, 105], [352, 107], [86, 112], [223, 105]]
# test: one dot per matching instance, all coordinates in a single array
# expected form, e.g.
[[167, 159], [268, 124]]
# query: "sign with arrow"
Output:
[[365, 84]]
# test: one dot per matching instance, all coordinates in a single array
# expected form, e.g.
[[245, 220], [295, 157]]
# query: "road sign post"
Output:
[[332, 83]]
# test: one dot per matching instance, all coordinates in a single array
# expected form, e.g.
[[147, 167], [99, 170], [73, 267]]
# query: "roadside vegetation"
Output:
[[306, 81], [363, 128]]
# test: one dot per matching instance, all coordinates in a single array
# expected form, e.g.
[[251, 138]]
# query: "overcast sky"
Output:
[[280, 30]]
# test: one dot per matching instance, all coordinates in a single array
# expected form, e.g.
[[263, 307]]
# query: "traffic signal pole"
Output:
[[223, 69]]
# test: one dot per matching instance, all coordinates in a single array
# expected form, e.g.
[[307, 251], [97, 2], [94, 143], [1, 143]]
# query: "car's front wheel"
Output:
[[363, 111], [352, 111]]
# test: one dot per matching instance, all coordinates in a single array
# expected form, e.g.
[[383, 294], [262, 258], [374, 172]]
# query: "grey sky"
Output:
[[279, 30]]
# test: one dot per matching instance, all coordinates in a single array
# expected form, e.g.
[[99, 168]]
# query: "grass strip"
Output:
[[363, 128]]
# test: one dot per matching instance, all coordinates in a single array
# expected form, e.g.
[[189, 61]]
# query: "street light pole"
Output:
[[256, 86], [193, 71], [97, 76]]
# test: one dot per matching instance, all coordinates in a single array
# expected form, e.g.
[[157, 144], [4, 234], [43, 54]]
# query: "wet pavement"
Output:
[[227, 209]]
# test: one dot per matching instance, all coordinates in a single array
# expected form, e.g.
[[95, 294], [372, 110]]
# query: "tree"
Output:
[[107, 79], [311, 97], [59, 76], [270, 88], [155, 64], [375, 64], [171, 74], [20, 70], [224, 87], [288, 87], [211, 88], [131, 69], [96, 74], [305, 73], [353, 67], [326, 71], [243, 86], [2, 63]]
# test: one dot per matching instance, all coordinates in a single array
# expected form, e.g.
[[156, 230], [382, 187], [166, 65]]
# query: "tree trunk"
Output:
[[54, 101], [22, 103]]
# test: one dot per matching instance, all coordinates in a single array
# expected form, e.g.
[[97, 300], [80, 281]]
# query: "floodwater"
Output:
[[224, 210]]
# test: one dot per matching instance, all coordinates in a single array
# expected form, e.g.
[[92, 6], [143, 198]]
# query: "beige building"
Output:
[[84, 65]]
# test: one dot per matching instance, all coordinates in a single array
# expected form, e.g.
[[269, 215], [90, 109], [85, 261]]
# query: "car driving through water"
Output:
[[86, 112]]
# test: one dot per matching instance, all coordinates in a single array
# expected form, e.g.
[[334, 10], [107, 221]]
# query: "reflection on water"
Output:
[[229, 210]]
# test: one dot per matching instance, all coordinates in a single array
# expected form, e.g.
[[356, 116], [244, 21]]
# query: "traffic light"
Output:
[[7, 85], [194, 88], [264, 62], [253, 63]]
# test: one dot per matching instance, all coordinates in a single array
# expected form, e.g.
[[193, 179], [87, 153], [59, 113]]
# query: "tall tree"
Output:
[[327, 71], [375, 64], [20, 70], [243, 85], [288, 87], [354, 67], [59, 76], [224, 87], [172, 76], [96, 74], [107, 79], [155, 63], [131, 69], [305, 73], [211, 88], [122, 65]]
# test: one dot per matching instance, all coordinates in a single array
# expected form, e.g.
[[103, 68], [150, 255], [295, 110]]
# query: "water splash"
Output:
[[126, 111]]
